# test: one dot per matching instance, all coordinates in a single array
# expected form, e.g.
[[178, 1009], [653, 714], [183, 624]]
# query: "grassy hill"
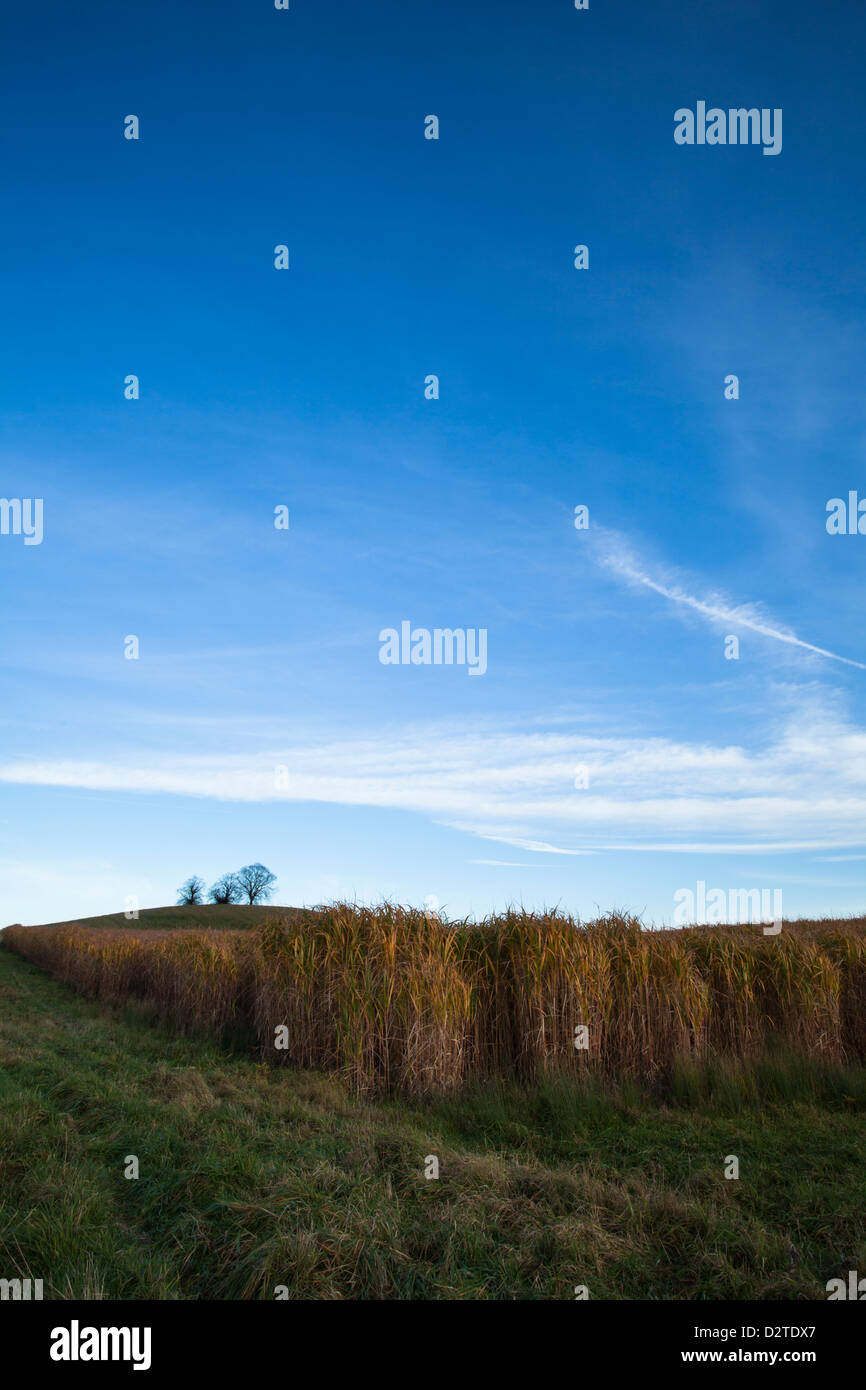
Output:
[[208, 917], [253, 1177]]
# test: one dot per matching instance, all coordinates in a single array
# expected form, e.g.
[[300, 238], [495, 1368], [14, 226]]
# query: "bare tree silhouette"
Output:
[[189, 894], [256, 882], [226, 890]]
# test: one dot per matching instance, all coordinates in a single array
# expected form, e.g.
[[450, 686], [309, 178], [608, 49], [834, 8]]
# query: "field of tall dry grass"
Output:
[[397, 1000]]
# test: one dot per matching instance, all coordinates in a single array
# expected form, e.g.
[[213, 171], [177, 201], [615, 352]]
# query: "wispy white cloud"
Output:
[[804, 787], [534, 846], [509, 864], [616, 555]]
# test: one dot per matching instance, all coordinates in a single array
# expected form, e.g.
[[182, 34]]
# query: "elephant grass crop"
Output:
[[395, 999]]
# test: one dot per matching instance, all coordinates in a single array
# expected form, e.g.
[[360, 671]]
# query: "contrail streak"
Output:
[[714, 611]]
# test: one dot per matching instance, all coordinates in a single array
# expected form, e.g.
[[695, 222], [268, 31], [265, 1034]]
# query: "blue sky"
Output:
[[259, 648]]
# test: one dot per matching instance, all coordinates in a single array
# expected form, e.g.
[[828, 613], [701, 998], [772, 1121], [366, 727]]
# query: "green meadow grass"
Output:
[[254, 1176]]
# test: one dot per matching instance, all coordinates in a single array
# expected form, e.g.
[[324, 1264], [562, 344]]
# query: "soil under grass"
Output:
[[254, 1177]]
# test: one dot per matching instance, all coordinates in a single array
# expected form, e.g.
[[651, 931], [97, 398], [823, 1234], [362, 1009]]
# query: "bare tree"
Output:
[[226, 890], [189, 894], [256, 882]]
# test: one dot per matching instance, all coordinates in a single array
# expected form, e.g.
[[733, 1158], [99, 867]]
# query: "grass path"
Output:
[[253, 1177]]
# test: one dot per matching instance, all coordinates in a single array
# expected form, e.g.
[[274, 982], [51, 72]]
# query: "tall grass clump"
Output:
[[376, 995], [395, 999], [196, 981], [786, 986]]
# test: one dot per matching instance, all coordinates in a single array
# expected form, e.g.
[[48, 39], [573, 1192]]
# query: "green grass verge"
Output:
[[253, 1177]]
